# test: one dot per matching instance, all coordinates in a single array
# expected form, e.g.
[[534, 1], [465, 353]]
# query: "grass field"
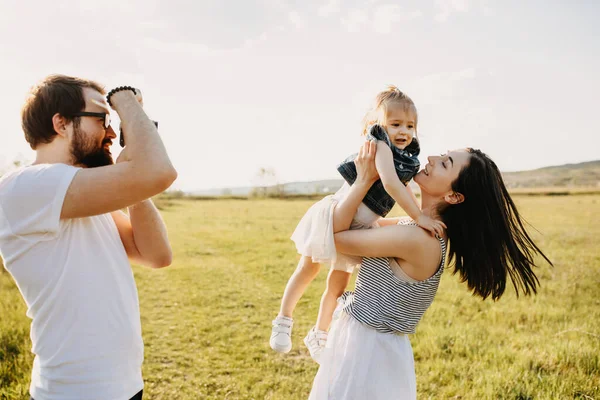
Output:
[[206, 319]]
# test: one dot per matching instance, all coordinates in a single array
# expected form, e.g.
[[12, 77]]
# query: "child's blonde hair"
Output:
[[378, 114]]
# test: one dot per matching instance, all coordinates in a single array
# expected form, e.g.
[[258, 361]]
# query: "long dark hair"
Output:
[[488, 241]]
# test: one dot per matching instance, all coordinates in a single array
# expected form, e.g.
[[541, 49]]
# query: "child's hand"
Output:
[[432, 225]]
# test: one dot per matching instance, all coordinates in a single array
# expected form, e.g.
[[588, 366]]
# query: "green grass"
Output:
[[206, 319]]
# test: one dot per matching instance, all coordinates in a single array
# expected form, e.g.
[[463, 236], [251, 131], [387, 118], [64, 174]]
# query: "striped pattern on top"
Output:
[[387, 304]]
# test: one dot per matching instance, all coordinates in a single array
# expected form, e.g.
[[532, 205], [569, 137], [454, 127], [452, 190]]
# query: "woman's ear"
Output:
[[454, 198], [59, 123]]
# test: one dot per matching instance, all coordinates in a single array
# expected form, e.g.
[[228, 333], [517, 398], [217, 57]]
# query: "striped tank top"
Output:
[[386, 303]]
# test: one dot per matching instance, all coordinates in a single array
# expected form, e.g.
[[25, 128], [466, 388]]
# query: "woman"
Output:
[[368, 355]]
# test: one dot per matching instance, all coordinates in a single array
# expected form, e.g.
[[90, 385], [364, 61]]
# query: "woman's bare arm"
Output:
[[410, 243], [389, 221]]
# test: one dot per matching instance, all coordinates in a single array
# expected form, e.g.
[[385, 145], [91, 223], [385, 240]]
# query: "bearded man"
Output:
[[68, 246]]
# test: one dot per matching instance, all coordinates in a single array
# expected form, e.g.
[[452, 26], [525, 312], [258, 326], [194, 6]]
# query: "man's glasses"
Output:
[[106, 118], [103, 116]]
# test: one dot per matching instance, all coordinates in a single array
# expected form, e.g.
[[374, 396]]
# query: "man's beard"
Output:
[[86, 153]]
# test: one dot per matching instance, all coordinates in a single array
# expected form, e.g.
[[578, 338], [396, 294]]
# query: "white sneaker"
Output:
[[281, 334], [315, 341]]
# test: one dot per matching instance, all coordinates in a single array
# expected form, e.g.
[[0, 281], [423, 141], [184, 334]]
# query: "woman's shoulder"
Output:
[[425, 252], [420, 235], [407, 230]]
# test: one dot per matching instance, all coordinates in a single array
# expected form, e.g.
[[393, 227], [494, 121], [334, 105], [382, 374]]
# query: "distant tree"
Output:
[[20, 161], [175, 194], [266, 184]]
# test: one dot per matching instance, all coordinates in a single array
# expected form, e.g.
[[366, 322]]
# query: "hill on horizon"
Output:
[[584, 174]]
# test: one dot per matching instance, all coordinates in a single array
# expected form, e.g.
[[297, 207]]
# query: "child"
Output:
[[392, 123]]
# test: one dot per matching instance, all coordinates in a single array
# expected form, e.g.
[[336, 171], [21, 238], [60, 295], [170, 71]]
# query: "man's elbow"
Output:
[[162, 260], [157, 181], [166, 178]]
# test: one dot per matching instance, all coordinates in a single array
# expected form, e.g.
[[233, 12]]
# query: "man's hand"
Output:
[[140, 100]]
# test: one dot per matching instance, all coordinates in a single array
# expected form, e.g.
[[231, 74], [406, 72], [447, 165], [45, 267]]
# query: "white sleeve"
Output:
[[32, 198]]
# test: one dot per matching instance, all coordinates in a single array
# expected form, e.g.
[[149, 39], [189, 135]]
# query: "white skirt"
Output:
[[314, 234], [360, 363]]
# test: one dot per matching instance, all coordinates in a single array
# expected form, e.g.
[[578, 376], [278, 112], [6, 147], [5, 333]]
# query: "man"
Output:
[[68, 246]]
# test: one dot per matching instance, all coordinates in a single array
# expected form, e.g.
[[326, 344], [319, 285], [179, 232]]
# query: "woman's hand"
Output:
[[367, 174], [365, 164]]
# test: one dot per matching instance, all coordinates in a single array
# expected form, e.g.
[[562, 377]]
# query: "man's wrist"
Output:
[[121, 89], [120, 98]]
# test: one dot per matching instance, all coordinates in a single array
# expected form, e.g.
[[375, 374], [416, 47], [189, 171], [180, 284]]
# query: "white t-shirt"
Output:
[[78, 285]]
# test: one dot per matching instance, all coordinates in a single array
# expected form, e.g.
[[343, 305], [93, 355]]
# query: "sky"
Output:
[[283, 84]]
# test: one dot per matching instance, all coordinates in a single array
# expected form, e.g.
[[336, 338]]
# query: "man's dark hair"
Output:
[[55, 94]]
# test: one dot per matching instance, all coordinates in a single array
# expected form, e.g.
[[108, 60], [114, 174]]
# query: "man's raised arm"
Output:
[[142, 170]]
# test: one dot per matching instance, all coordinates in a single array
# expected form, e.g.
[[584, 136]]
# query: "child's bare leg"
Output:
[[304, 274], [336, 284]]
